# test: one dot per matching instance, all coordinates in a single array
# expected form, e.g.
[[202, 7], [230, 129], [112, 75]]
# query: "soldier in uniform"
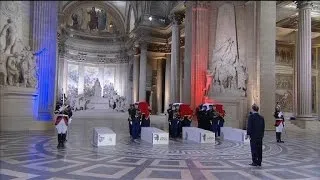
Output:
[[61, 121], [174, 125], [279, 124], [170, 116], [132, 113], [136, 125]]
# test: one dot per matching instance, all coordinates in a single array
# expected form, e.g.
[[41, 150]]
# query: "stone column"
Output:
[[187, 54], [81, 79], [159, 85], [266, 27], [101, 77], [200, 51], [135, 78], [167, 82], [175, 57], [44, 35], [143, 72], [304, 73]]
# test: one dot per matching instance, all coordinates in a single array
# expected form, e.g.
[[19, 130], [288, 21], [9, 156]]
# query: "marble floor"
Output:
[[33, 155]]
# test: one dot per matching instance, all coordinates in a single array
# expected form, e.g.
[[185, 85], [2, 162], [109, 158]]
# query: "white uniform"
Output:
[[280, 127]]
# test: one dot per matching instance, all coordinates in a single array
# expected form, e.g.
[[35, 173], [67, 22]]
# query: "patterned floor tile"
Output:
[[164, 174], [169, 163], [15, 175], [54, 165], [103, 171]]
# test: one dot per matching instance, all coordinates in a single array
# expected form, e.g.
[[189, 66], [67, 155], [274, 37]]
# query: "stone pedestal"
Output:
[[236, 111], [18, 110]]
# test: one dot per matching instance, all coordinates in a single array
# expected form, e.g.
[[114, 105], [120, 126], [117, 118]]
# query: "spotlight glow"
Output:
[[150, 18]]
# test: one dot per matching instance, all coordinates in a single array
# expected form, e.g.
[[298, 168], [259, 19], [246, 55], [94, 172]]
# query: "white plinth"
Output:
[[198, 135], [17, 108], [234, 134], [98, 103], [154, 135], [103, 136]]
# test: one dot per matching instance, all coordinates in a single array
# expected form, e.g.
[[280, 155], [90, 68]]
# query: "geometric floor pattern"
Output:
[[33, 155]]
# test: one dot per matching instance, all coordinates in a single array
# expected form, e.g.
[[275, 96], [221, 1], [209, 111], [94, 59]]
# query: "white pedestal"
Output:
[[198, 135], [98, 103], [234, 134], [154, 135], [18, 108], [103, 136]]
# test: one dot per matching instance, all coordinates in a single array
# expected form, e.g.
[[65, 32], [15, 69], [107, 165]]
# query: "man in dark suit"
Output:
[[255, 131]]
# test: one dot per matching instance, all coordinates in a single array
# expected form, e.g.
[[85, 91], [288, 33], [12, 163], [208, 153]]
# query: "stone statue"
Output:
[[93, 23], [209, 79], [12, 70], [3, 67], [75, 22], [97, 88], [102, 20], [10, 32]]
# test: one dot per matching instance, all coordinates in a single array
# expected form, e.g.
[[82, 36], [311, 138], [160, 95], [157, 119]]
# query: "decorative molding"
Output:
[[304, 4], [96, 60], [159, 48]]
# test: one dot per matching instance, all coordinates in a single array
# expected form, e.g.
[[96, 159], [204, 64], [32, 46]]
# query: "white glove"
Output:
[[69, 122]]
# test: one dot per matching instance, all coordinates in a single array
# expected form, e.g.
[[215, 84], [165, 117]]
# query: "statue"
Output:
[[93, 23], [102, 20], [97, 88], [12, 70], [10, 32], [30, 71], [209, 79], [3, 67], [75, 22]]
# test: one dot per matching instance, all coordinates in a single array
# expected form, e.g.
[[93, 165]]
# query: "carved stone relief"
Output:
[[284, 55], [285, 99], [314, 93], [18, 67], [284, 81]]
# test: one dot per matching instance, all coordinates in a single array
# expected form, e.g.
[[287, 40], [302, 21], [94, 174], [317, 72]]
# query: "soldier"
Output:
[[61, 121], [132, 113], [174, 125], [279, 124], [136, 125], [170, 116]]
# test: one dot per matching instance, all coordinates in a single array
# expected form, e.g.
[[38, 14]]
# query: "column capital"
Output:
[[177, 17], [304, 4]]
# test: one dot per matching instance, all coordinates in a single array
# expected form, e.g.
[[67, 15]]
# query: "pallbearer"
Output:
[[61, 121], [174, 125], [279, 124], [136, 125], [132, 113]]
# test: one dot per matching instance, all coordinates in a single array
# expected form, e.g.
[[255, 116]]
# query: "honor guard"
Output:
[[279, 124], [61, 121]]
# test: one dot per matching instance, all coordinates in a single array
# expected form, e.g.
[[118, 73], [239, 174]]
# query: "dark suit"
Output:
[[255, 130]]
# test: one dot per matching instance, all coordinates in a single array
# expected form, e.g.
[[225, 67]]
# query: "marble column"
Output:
[[159, 85], [187, 54], [304, 73], [44, 35], [266, 29], [175, 57], [136, 67], [81, 79], [143, 72], [200, 51], [101, 77], [167, 82]]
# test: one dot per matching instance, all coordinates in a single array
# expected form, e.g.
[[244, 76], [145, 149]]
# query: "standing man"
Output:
[[255, 131]]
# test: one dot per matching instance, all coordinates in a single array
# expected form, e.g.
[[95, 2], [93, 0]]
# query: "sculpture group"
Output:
[[91, 20], [18, 67]]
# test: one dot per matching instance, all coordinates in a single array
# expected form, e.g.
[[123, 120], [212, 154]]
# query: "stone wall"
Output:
[[285, 57]]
